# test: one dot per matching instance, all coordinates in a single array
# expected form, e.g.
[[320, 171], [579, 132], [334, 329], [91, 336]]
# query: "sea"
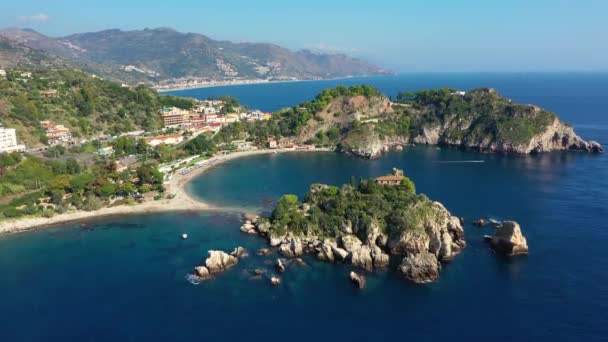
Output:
[[125, 278]]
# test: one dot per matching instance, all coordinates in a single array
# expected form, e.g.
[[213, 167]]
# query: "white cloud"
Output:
[[327, 48], [40, 17]]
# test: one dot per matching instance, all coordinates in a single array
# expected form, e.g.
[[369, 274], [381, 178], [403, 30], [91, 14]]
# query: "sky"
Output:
[[405, 35]]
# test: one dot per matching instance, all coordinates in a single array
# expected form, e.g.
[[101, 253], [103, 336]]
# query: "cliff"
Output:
[[480, 120]]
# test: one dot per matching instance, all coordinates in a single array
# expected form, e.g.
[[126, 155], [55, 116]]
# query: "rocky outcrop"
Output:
[[291, 247], [340, 254], [357, 279], [442, 236], [326, 251], [264, 252], [420, 268], [202, 272], [508, 239], [249, 228], [218, 261], [239, 253]]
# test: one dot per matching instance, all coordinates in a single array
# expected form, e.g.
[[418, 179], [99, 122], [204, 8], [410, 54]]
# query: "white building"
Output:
[[2, 73], [8, 140], [171, 139]]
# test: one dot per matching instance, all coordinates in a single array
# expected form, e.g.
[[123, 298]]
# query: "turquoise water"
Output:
[[122, 278]]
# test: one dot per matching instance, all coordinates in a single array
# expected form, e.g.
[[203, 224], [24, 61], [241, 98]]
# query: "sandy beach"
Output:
[[182, 201]]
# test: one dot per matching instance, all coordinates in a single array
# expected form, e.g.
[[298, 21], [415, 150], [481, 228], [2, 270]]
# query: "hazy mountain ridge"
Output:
[[162, 53]]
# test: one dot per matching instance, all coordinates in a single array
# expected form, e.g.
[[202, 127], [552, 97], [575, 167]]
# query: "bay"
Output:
[[122, 278]]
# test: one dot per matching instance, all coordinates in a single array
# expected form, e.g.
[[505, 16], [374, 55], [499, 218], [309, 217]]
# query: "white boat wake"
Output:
[[459, 161]]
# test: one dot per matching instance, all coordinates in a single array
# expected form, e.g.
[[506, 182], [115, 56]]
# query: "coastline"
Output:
[[182, 200], [248, 82]]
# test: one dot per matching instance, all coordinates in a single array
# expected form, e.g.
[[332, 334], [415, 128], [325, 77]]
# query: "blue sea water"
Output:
[[122, 278]]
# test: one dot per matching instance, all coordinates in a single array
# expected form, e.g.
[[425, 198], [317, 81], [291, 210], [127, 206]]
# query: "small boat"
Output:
[[184, 236], [495, 222]]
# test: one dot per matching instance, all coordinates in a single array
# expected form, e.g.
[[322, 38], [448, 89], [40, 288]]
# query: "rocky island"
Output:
[[366, 224]]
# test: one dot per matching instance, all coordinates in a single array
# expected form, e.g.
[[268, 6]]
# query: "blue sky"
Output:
[[431, 35]]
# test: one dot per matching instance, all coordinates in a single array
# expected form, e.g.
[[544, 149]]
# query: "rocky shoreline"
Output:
[[557, 137], [421, 252]]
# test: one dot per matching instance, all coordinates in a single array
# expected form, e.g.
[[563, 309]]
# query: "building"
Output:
[[229, 118], [2, 73], [56, 134], [285, 143], [256, 115], [170, 139], [272, 143], [8, 140], [106, 151], [49, 92], [173, 117], [389, 179], [459, 93]]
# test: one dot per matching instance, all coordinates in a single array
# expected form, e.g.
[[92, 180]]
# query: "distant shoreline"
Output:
[[182, 200], [250, 82]]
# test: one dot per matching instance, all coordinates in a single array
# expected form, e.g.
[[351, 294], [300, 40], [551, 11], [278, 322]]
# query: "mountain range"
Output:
[[160, 54]]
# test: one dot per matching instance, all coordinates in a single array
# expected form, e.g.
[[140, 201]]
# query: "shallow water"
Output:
[[122, 278]]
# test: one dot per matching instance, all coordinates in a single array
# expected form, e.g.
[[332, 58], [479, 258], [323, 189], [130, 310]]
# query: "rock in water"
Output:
[[202, 272], [218, 261], [420, 268], [239, 252], [292, 247], [264, 252], [509, 240], [326, 251], [340, 254], [358, 279], [480, 223], [248, 228]]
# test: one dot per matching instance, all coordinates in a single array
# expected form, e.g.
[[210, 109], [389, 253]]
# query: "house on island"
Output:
[[389, 180], [394, 178]]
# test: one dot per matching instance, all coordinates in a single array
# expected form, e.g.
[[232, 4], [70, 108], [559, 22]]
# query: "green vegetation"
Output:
[[328, 210], [491, 116], [54, 186], [87, 105]]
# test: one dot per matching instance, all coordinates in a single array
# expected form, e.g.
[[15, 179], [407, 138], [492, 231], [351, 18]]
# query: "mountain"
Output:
[[163, 53], [16, 54]]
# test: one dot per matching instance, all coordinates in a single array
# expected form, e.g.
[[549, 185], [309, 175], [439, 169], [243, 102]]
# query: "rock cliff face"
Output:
[[480, 120], [555, 137]]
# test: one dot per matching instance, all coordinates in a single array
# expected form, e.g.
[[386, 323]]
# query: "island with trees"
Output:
[[365, 223]]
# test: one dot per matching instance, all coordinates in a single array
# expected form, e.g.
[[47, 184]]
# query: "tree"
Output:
[[107, 190]]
